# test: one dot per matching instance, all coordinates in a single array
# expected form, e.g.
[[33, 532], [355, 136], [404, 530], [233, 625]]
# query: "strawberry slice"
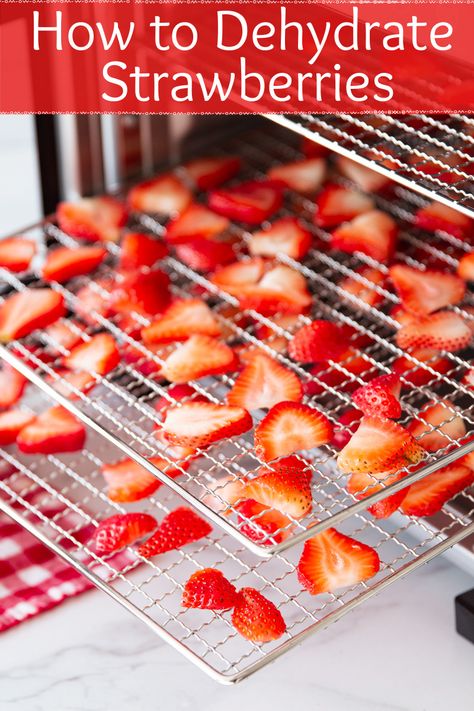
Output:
[[99, 355], [164, 195], [198, 424], [128, 481], [98, 218], [318, 341], [373, 233], [252, 202], [367, 179], [64, 335], [290, 427], [16, 253], [176, 393], [438, 425], [264, 382], [436, 216], [331, 560], [380, 397], [256, 618], [286, 487], [336, 204], [262, 524], [346, 426], [142, 292], [379, 445], [12, 385], [69, 382], [280, 290], [205, 255], [422, 292], [284, 236], [197, 357], [92, 302], [466, 267], [55, 430], [11, 424], [179, 528], [210, 172], [63, 263], [363, 291], [428, 495], [184, 318], [197, 221], [122, 530], [209, 589], [25, 311], [444, 330], [303, 176], [418, 373], [363, 485], [140, 250], [234, 277]]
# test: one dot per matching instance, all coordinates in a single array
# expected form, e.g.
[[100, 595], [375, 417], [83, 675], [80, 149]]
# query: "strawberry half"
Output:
[[318, 341], [142, 292], [252, 202], [177, 529], [436, 216], [379, 445], [122, 530], [422, 292], [367, 179], [25, 311], [163, 195], [209, 589], [128, 481], [55, 430], [12, 385], [184, 318], [263, 383], [256, 618], [284, 236], [363, 291], [63, 263], [139, 250], [262, 524], [417, 373], [197, 221], [466, 267], [286, 487], [437, 426], [331, 560], [16, 253], [336, 204], [210, 172], [198, 424], [373, 233], [444, 331], [380, 397], [11, 424], [363, 485], [99, 355], [428, 495], [98, 218], [197, 357], [303, 176]]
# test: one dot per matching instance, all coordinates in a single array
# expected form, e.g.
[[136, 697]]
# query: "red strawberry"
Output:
[[318, 341], [55, 430], [256, 618], [16, 253], [11, 424], [417, 373], [380, 397], [240, 274], [205, 255], [262, 524], [197, 357], [401, 316], [304, 176], [91, 301], [324, 376], [281, 289], [286, 487], [363, 485], [436, 216], [99, 355], [25, 311], [437, 426], [331, 560], [122, 530], [142, 292], [183, 455], [363, 291], [139, 250], [176, 393], [63, 263], [466, 267], [98, 218], [263, 383], [198, 424], [284, 236], [145, 360], [428, 495], [379, 445], [251, 202], [444, 330], [129, 481], [197, 221], [177, 529], [373, 233], [184, 318], [210, 172], [336, 204], [367, 179], [208, 589], [422, 292], [65, 335], [12, 385], [164, 195], [346, 426]]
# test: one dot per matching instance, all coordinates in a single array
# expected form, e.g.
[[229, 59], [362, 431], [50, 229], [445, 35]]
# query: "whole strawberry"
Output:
[[209, 589], [256, 618]]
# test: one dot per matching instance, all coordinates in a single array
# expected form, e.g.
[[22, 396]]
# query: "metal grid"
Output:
[[121, 406]]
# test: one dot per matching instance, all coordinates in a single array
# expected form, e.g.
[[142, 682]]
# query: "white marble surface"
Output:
[[398, 652]]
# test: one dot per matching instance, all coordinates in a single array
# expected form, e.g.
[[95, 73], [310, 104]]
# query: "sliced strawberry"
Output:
[[139, 250], [466, 267], [331, 560], [164, 195], [363, 291], [290, 427], [55, 430], [197, 357], [69, 382], [63, 263], [437, 426], [444, 330], [129, 481], [25, 311], [240, 274], [282, 289], [205, 255], [197, 221], [418, 373], [336, 204], [184, 318], [363, 485], [176, 393], [428, 495], [256, 618], [251, 202], [346, 426], [226, 492], [179, 528], [325, 376], [143, 292], [98, 218], [210, 172], [198, 424], [318, 341], [380, 397], [209, 589], [122, 530], [379, 445], [367, 179], [401, 316], [286, 487], [262, 524], [436, 216], [99, 355], [92, 302], [16, 253], [422, 292], [284, 236], [373, 233], [303, 176], [263, 383], [283, 321], [175, 452], [12, 385], [64, 335], [11, 424]]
